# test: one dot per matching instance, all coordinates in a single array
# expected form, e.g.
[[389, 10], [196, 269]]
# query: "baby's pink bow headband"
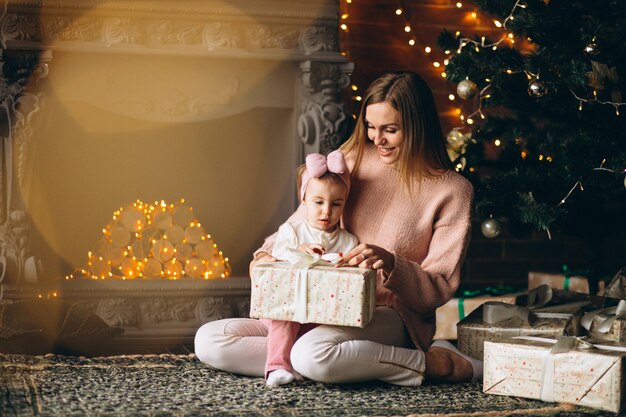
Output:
[[318, 164]]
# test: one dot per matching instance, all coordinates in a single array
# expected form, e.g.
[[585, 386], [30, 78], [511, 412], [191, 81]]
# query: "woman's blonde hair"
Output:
[[423, 150]]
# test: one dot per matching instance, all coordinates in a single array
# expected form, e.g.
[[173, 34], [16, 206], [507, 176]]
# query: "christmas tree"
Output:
[[545, 141]]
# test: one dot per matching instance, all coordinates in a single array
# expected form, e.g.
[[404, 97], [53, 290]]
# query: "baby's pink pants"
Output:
[[281, 335]]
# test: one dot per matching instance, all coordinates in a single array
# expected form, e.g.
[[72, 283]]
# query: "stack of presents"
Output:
[[553, 342]]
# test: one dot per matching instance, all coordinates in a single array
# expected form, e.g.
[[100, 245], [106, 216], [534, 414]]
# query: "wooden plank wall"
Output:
[[376, 41]]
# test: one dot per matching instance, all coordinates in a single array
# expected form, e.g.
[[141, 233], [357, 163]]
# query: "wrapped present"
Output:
[[617, 286], [564, 281], [607, 323], [548, 311], [544, 295], [494, 321], [562, 370], [455, 310], [313, 294]]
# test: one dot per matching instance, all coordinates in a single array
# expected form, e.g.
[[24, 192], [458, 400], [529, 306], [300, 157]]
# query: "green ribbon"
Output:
[[492, 290], [567, 273], [461, 304]]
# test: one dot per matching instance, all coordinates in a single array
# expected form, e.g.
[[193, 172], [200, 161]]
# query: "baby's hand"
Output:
[[260, 258], [312, 248]]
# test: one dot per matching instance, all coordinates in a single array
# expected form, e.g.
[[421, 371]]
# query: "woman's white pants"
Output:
[[330, 354]]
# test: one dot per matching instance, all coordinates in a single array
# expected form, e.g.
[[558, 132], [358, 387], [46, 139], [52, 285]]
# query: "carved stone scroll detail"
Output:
[[212, 308], [22, 27], [323, 120], [118, 312], [17, 263], [220, 35], [157, 310], [264, 36], [63, 28], [19, 104], [121, 30], [318, 38], [165, 32]]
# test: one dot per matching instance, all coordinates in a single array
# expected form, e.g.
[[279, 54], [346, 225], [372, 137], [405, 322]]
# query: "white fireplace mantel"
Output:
[[294, 30], [104, 102], [161, 61]]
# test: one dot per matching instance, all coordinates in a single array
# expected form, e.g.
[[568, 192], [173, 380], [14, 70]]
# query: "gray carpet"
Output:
[[179, 385]]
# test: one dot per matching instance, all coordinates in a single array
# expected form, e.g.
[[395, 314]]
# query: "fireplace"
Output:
[[107, 102]]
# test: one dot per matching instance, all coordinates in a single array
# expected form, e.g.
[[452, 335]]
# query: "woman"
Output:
[[411, 210]]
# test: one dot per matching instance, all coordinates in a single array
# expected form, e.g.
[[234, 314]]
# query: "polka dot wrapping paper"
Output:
[[591, 377], [326, 295]]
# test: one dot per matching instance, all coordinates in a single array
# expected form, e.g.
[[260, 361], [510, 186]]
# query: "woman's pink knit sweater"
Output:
[[428, 231]]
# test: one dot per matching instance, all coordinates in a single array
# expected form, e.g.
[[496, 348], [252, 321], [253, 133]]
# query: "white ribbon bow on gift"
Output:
[[606, 317], [303, 261]]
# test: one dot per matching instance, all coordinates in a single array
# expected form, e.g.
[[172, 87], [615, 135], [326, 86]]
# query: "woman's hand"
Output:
[[369, 256], [312, 248], [260, 258]]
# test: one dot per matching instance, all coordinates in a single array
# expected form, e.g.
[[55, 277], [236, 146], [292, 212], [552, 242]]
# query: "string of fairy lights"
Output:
[[157, 240], [579, 183], [400, 11], [152, 241], [467, 89], [536, 87]]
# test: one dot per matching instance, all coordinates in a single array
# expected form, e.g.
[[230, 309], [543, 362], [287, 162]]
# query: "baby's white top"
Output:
[[290, 235]]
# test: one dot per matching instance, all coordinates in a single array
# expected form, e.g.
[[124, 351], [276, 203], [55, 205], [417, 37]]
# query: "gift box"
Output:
[[318, 294], [455, 310], [495, 321], [617, 286], [544, 295], [607, 323], [576, 283], [561, 370]]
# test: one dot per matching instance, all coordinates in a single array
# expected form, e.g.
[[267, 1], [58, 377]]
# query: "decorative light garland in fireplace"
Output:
[[160, 240]]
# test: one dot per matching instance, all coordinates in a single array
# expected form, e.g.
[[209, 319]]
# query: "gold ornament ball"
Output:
[[466, 89], [537, 89], [490, 228]]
